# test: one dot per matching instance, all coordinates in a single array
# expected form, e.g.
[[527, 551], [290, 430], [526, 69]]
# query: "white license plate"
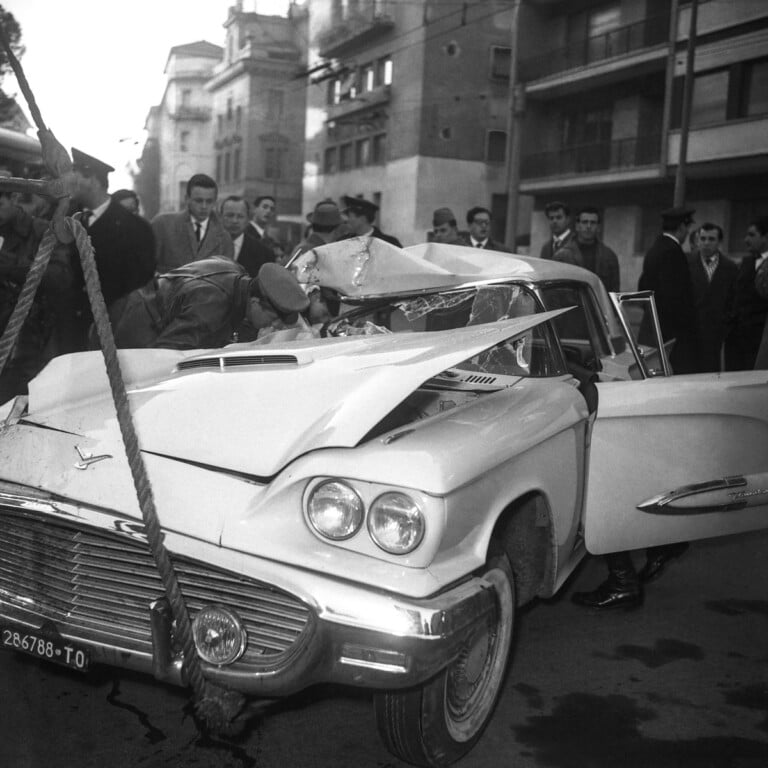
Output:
[[44, 644]]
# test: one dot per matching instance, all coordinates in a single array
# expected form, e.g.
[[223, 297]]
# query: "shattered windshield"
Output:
[[437, 311], [529, 354]]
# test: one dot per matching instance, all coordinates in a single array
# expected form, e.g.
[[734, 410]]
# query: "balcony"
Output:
[[201, 114], [618, 42], [355, 29], [622, 154]]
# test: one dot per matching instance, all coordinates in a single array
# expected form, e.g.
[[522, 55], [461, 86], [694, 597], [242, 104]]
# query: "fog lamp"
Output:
[[396, 523], [218, 634], [335, 510]]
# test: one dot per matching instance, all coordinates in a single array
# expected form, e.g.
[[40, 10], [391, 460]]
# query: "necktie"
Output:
[[479, 245], [197, 230]]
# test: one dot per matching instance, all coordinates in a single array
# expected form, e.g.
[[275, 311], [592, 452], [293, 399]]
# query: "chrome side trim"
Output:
[[711, 496]]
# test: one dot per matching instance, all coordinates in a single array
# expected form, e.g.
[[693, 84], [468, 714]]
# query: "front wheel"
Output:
[[440, 721]]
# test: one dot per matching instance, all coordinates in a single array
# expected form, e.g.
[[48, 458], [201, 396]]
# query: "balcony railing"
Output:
[[618, 42], [191, 113], [358, 27], [591, 158]]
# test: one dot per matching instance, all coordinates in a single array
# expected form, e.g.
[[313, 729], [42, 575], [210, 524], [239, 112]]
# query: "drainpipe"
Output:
[[679, 197], [670, 79], [514, 129]]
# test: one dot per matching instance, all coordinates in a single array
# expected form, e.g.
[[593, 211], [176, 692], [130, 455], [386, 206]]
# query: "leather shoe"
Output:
[[610, 595], [659, 558]]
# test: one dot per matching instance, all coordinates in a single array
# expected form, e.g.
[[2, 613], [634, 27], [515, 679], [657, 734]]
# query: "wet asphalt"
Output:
[[681, 682]]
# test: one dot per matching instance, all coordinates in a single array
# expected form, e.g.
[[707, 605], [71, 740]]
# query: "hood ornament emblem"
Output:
[[87, 458]]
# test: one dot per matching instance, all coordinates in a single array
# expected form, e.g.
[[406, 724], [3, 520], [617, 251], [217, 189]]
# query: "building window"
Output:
[[220, 123], [229, 108], [186, 97], [218, 168], [603, 19], [184, 141], [368, 79], [274, 158], [236, 164], [710, 98], [345, 157], [496, 146], [329, 160], [383, 75], [238, 116], [274, 104], [755, 91], [501, 60], [363, 152], [227, 167], [379, 149]]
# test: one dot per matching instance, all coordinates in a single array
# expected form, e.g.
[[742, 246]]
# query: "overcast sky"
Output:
[[96, 66]]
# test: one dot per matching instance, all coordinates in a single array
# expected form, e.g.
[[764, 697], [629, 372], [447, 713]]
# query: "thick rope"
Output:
[[217, 706], [27, 296]]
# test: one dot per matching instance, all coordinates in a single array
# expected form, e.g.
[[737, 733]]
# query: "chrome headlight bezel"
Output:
[[354, 512], [387, 514]]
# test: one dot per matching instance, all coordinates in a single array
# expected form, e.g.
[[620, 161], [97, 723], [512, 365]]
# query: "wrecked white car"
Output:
[[368, 508]]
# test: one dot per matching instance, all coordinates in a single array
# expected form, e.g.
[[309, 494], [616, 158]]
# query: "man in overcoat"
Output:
[[194, 233]]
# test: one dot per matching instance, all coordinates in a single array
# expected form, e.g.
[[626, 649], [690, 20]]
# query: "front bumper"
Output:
[[342, 631]]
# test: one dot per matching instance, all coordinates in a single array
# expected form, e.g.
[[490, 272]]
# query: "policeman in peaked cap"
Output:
[[671, 218], [88, 165], [360, 214]]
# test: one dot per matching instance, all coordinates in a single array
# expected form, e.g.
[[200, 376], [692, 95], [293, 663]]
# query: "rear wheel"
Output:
[[440, 721]]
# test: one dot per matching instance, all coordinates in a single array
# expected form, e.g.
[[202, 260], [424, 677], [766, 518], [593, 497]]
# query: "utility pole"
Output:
[[679, 196], [514, 127]]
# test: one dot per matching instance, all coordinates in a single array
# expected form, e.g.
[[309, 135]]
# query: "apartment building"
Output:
[[179, 131], [603, 87], [259, 106], [408, 106]]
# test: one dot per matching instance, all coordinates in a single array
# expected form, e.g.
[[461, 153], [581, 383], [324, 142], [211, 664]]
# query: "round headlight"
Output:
[[335, 510], [396, 523], [218, 634]]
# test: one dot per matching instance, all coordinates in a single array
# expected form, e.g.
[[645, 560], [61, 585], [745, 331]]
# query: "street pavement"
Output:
[[681, 682]]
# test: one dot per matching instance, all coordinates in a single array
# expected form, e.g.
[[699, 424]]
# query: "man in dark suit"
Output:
[[713, 276], [123, 243], [479, 223], [249, 250], [559, 217], [194, 233], [360, 214], [666, 273], [750, 309]]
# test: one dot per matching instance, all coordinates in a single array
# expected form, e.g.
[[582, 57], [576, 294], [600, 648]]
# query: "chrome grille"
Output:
[[98, 585]]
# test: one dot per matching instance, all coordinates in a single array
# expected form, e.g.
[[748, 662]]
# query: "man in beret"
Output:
[[123, 243], [194, 233], [360, 215], [444, 228], [209, 303]]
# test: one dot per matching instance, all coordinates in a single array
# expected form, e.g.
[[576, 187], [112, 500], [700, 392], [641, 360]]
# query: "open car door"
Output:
[[676, 458]]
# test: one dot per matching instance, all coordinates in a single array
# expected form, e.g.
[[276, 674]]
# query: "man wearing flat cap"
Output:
[[666, 273], [123, 244], [361, 214], [445, 229], [209, 303]]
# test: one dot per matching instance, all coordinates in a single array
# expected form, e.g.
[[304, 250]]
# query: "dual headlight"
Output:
[[395, 521]]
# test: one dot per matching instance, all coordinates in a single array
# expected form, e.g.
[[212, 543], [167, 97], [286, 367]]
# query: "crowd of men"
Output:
[[212, 272]]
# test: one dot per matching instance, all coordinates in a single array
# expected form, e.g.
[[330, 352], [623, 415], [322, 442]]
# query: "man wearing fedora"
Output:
[[361, 214], [324, 226]]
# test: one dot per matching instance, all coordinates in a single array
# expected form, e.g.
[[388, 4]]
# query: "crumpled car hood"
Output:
[[255, 409]]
